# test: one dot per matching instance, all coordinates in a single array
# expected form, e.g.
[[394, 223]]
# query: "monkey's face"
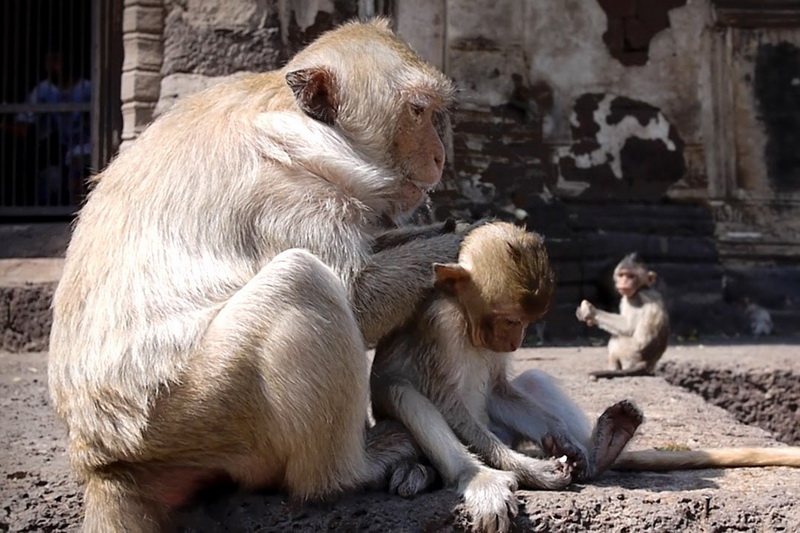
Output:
[[503, 331], [371, 87], [418, 151], [629, 281], [490, 327], [495, 327]]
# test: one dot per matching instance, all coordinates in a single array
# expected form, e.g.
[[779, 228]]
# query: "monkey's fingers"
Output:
[[548, 474]]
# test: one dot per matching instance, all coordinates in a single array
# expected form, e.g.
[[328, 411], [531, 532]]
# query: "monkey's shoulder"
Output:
[[643, 299]]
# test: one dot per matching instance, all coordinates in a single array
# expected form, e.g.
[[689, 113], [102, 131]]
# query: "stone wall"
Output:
[[143, 42], [607, 125], [614, 125]]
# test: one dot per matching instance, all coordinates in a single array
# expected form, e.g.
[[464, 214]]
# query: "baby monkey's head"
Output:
[[503, 282]]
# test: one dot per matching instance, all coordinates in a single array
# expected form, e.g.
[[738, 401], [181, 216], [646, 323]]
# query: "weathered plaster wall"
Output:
[[607, 125], [557, 47], [205, 41], [758, 208]]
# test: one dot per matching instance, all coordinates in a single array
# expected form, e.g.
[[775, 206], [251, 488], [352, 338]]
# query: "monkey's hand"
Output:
[[463, 227], [586, 313], [552, 474], [449, 225], [489, 499]]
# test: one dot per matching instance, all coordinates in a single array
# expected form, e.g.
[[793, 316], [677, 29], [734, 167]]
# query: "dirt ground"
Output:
[[37, 492]]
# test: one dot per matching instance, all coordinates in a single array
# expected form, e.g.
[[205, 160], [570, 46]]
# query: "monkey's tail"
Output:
[[115, 503], [708, 458]]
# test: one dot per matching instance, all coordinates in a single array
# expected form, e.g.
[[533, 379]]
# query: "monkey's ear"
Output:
[[315, 92], [450, 277], [651, 278]]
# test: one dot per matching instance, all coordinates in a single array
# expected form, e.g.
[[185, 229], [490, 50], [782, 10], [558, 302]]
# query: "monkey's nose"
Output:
[[438, 160]]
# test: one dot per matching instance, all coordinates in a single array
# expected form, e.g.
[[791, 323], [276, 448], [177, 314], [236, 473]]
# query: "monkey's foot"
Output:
[[409, 479], [489, 500], [615, 427]]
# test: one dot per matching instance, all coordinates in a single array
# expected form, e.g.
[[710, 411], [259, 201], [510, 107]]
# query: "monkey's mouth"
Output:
[[415, 192], [423, 187]]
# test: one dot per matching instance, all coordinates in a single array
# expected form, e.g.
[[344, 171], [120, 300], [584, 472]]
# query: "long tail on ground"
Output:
[[708, 458]]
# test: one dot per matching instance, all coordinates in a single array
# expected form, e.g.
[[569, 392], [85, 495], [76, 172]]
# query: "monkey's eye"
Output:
[[417, 110], [512, 321]]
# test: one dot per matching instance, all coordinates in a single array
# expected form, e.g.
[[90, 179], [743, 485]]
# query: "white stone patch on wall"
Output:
[[225, 14], [612, 137], [305, 13]]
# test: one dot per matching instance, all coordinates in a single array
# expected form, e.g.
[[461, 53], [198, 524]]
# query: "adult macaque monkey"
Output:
[[640, 332], [443, 375], [221, 283]]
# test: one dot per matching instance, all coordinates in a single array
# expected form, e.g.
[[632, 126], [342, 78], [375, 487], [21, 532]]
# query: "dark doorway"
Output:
[[50, 94]]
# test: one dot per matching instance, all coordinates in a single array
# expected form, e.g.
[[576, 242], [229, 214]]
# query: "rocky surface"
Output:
[[755, 385], [26, 291], [37, 493]]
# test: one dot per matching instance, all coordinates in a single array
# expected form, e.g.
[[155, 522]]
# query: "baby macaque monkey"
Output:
[[640, 332], [444, 376]]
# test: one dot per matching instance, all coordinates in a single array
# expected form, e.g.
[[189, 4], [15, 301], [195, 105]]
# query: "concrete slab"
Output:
[[22, 272]]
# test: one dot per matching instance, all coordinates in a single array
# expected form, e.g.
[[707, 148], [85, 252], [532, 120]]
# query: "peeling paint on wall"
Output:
[[622, 149], [632, 24]]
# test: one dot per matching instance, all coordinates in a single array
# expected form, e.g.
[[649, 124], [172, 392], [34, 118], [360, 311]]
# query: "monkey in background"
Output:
[[639, 336], [444, 376], [221, 285], [640, 332]]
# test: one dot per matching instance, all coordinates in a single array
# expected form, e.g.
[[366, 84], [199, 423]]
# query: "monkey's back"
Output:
[[175, 225]]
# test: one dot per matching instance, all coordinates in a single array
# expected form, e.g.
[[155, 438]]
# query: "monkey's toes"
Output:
[[410, 479], [549, 445], [490, 501], [555, 445], [625, 415]]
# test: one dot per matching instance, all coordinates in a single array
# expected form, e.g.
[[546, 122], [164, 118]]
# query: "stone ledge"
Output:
[[745, 499], [27, 272], [25, 317], [26, 292], [39, 492]]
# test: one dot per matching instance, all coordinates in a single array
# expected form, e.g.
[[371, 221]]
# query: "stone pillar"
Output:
[[143, 38]]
